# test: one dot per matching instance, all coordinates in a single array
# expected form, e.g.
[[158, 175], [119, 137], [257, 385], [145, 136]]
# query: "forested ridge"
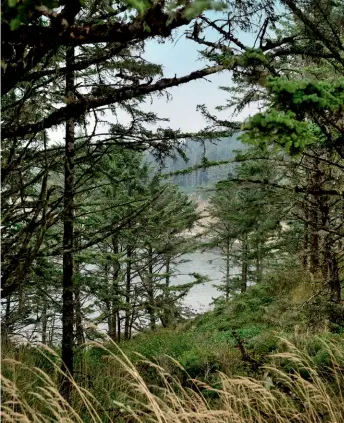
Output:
[[99, 213], [190, 175]]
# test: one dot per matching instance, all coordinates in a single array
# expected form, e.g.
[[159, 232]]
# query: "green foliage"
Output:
[[299, 114], [306, 96], [264, 343], [278, 128], [163, 342], [197, 7], [246, 212], [130, 224], [140, 5], [207, 344], [21, 12]]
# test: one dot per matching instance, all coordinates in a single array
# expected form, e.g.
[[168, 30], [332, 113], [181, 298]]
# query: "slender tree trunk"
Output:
[[44, 321], [167, 314], [79, 331], [334, 280], [305, 240], [330, 273], [244, 265], [326, 244], [127, 294], [111, 321], [115, 288], [315, 184], [108, 304], [8, 310], [6, 321], [133, 312], [305, 246], [52, 329], [150, 291], [313, 240], [133, 316], [68, 241], [259, 261], [228, 280], [329, 263], [167, 280], [21, 298], [118, 316]]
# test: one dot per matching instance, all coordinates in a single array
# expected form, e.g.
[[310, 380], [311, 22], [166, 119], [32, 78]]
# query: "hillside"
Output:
[[246, 353], [202, 179], [244, 331]]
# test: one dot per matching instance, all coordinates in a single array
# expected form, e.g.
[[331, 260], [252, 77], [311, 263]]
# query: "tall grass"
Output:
[[291, 388]]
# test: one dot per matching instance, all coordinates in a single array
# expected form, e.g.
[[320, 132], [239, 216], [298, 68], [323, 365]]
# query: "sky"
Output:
[[180, 57]]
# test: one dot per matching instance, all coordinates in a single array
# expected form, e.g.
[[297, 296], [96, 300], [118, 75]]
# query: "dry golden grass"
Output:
[[300, 394]]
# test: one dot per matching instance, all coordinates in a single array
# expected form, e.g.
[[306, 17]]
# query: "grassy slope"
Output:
[[305, 386], [257, 320]]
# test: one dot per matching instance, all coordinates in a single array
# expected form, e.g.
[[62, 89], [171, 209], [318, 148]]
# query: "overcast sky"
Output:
[[181, 57]]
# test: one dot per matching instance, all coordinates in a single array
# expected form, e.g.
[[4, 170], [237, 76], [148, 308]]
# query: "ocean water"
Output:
[[208, 263]]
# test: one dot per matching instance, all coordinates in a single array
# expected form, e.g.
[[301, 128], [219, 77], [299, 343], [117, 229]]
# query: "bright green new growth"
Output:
[[278, 128]]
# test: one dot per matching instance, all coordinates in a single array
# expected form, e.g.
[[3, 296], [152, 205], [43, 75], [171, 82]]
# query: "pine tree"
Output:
[[245, 217]]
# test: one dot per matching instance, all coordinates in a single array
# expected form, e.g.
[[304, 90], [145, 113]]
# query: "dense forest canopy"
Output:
[[95, 225]]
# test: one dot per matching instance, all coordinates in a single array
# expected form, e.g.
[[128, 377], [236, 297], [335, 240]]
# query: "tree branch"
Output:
[[80, 107], [297, 189], [42, 40]]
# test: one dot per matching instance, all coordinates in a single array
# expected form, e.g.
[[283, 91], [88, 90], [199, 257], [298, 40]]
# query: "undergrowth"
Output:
[[268, 355], [291, 387]]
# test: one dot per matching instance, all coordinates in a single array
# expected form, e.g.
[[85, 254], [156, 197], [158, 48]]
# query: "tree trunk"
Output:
[[259, 261], [79, 331], [133, 316], [68, 235], [313, 240], [52, 329], [115, 289], [305, 240], [167, 312], [108, 304], [244, 265], [21, 300], [112, 331], [118, 326], [315, 184], [127, 294], [335, 286], [327, 240], [228, 280], [329, 263], [44, 321], [150, 291], [6, 321]]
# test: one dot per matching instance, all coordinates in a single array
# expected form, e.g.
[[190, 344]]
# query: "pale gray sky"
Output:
[[181, 57]]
